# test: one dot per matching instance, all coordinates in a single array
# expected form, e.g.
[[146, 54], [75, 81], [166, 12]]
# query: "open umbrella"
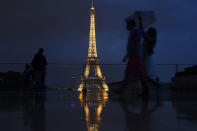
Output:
[[148, 17]]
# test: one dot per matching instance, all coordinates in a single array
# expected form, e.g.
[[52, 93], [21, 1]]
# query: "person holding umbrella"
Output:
[[134, 70], [148, 45]]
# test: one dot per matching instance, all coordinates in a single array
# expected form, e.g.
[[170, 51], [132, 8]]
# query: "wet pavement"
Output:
[[63, 110]]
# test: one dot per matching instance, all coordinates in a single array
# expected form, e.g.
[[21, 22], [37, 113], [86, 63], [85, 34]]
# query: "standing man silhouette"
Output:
[[39, 64]]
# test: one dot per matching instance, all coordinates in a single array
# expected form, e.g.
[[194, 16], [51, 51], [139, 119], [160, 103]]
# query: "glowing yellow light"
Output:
[[92, 60], [93, 116], [81, 86]]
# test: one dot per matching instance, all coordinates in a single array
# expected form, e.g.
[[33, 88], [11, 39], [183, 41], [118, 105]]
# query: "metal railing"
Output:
[[64, 74]]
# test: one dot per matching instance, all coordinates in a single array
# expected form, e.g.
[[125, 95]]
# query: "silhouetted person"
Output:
[[39, 64], [134, 69], [149, 42]]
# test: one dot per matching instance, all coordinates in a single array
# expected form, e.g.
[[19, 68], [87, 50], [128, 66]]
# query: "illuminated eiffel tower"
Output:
[[92, 60]]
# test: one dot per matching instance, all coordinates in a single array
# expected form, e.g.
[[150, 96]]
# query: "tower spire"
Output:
[[92, 52], [92, 4]]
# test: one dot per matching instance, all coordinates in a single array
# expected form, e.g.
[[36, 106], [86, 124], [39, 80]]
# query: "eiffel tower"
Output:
[[92, 60]]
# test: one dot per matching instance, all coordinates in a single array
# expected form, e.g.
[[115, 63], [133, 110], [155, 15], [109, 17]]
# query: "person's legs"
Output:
[[144, 86], [132, 73], [37, 78], [124, 83], [44, 75], [42, 79], [143, 78]]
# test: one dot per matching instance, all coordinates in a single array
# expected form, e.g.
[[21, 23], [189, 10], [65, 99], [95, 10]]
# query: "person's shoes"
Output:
[[156, 83]]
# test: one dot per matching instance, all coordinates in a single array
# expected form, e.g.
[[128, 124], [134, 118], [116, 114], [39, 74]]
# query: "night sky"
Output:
[[61, 27]]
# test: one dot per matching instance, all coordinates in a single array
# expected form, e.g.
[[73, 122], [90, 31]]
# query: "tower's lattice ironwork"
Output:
[[92, 60]]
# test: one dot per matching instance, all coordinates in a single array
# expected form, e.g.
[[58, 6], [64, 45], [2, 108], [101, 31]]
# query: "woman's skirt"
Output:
[[134, 69]]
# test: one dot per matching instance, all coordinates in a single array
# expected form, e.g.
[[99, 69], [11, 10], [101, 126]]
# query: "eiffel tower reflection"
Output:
[[93, 102]]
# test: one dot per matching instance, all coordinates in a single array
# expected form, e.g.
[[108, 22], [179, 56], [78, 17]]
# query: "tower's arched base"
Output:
[[97, 80]]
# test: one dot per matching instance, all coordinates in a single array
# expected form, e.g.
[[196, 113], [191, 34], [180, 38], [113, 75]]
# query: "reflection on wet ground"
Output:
[[95, 110], [93, 102]]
